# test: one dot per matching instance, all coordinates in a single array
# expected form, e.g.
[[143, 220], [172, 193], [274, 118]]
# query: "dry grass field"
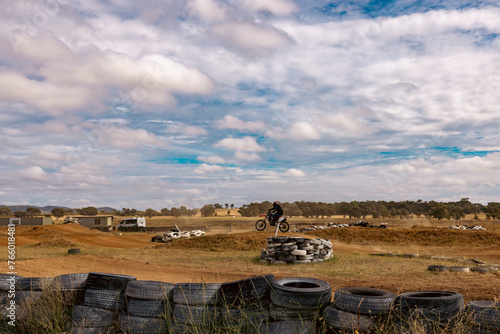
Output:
[[231, 250]]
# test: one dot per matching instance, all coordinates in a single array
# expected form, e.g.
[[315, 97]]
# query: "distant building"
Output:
[[27, 221], [103, 223]]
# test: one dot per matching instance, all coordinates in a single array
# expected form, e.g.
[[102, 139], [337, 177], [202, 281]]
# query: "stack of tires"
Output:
[[428, 310], [71, 287], [355, 309], [197, 307], [486, 316], [104, 297], [297, 305], [7, 283], [246, 303], [149, 307], [28, 292], [296, 250]]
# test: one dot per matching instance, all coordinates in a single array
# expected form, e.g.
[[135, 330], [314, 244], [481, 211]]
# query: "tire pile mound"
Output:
[[295, 250], [170, 236]]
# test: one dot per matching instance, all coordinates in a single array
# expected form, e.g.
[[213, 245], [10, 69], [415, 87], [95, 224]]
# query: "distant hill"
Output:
[[48, 208]]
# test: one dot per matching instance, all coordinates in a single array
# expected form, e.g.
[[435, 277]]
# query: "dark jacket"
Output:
[[277, 208]]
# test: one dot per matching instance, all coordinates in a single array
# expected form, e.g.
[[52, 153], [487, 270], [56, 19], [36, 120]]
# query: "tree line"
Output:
[[378, 209], [353, 209]]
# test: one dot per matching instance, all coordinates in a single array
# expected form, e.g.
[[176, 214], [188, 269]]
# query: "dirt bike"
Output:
[[283, 225]]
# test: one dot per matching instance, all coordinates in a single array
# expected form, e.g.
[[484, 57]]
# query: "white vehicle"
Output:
[[133, 224]]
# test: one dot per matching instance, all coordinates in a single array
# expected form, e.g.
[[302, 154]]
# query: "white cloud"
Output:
[[185, 129], [297, 131], [251, 38], [246, 144], [278, 7], [127, 138], [35, 173], [232, 122], [294, 172], [244, 156], [213, 159], [208, 10], [204, 169]]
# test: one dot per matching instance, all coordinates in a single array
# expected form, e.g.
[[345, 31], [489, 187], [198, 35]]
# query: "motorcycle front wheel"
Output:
[[284, 227], [260, 225]]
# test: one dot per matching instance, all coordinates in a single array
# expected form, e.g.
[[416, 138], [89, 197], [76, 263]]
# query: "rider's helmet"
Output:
[[274, 202]]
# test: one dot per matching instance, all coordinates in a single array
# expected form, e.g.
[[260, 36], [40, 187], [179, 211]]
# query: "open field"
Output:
[[229, 253]]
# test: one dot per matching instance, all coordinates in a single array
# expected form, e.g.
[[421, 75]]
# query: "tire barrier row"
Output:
[[332, 225], [261, 304], [295, 250]]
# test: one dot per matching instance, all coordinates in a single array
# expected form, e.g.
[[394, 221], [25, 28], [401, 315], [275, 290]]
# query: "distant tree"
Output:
[[493, 209], [191, 212], [33, 211], [226, 205], [150, 213], [58, 212], [456, 212], [217, 206], [232, 206], [88, 211], [165, 212], [20, 214], [184, 210], [175, 212], [5, 210], [207, 210], [439, 211], [291, 210]]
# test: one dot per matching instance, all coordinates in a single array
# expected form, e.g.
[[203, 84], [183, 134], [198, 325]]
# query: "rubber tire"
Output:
[[69, 282], [288, 327], [149, 308], [74, 251], [250, 291], [33, 283], [486, 313], [250, 316], [481, 270], [363, 300], [341, 320], [105, 299], [108, 281], [197, 294], [152, 290], [85, 316], [92, 330], [301, 293], [195, 315], [27, 296], [141, 325], [433, 305], [299, 252], [284, 227], [156, 238], [260, 225], [4, 283], [280, 313], [438, 268]]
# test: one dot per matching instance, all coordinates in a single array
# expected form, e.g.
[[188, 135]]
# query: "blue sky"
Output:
[[167, 103]]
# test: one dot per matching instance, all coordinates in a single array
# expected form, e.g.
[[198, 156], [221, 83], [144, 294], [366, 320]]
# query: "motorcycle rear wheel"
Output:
[[284, 227]]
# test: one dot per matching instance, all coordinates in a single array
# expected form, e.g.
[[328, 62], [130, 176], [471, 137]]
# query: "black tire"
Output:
[[6, 280], [279, 313], [27, 297], [197, 294], [363, 300], [85, 316], [485, 313], [153, 290], [260, 225], [33, 283], [301, 293], [108, 281], [156, 238], [245, 316], [288, 327], [141, 325], [341, 320], [438, 268], [69, 282], [196, 315], [148, 308], [284, 227], [281, 239], [92, 330], [73, 250], [254, 290], [438, 306], [105, 299]]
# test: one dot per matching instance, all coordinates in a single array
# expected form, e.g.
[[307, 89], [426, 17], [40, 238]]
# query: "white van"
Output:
[[133, 222]]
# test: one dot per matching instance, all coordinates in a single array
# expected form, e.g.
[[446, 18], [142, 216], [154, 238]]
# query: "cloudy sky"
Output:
[[166, 103]]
